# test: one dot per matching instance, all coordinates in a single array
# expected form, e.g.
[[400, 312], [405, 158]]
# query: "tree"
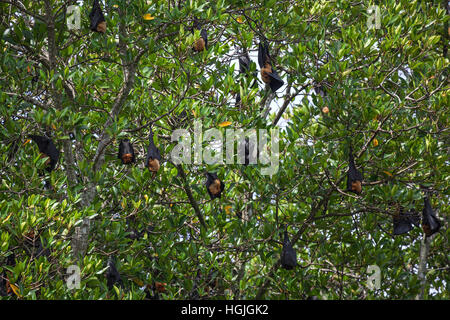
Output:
[[386, 94]]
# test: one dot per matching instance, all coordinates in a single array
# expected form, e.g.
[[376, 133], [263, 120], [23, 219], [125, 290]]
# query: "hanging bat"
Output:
[[153, 155], [430, 223], [126, 152], [214, 186], [403, 222], [47, 149], [268, 74], [288, 254], [354, 176], [244, 66], [244, 63], [112, 275], [98, 22], [202, 43]]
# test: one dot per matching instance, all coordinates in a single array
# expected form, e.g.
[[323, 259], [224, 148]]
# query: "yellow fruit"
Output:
[[240, 19], [375, 142], [225, 124], [148, 16]]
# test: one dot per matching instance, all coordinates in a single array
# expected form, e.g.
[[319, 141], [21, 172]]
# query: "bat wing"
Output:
[[275, 81], [244, 63], [414, 218], [288, 254], [401, 225], [429, 218], [204, 35], [261, 55], [53, 153]]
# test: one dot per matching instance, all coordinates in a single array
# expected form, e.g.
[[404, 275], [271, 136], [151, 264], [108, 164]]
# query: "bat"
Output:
[[47, 149], [288, 254], [268, 74], [403, 222], [244, 63], [202, 43], [354, 176], [112, 275], [126, 152], [214, 186], [430, 223], [98, 22], [153, 155]]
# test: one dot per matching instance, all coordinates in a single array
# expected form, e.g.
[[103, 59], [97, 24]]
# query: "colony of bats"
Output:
[[403, 221]]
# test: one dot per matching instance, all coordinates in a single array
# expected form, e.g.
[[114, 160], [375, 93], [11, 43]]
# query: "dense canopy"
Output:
[[357, 82]]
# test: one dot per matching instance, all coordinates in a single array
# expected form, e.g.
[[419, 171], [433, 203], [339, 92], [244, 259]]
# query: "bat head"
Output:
[[153, 165], [356, 186], [101, 27]]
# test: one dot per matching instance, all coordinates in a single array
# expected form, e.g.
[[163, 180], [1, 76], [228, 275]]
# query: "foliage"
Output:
[[89, 90]]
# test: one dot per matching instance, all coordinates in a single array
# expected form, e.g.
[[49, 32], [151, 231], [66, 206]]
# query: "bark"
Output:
[[424, 249]]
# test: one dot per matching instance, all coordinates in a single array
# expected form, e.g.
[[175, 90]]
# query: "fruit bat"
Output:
[[98, 22], [403, 222], [112, 275], [202, 43], [4, 285], [244, 63], [214, 186], [354, 176], [288, 254], [430, 223], [47, 149], [153, 155], [268, 74], [126, 152]]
